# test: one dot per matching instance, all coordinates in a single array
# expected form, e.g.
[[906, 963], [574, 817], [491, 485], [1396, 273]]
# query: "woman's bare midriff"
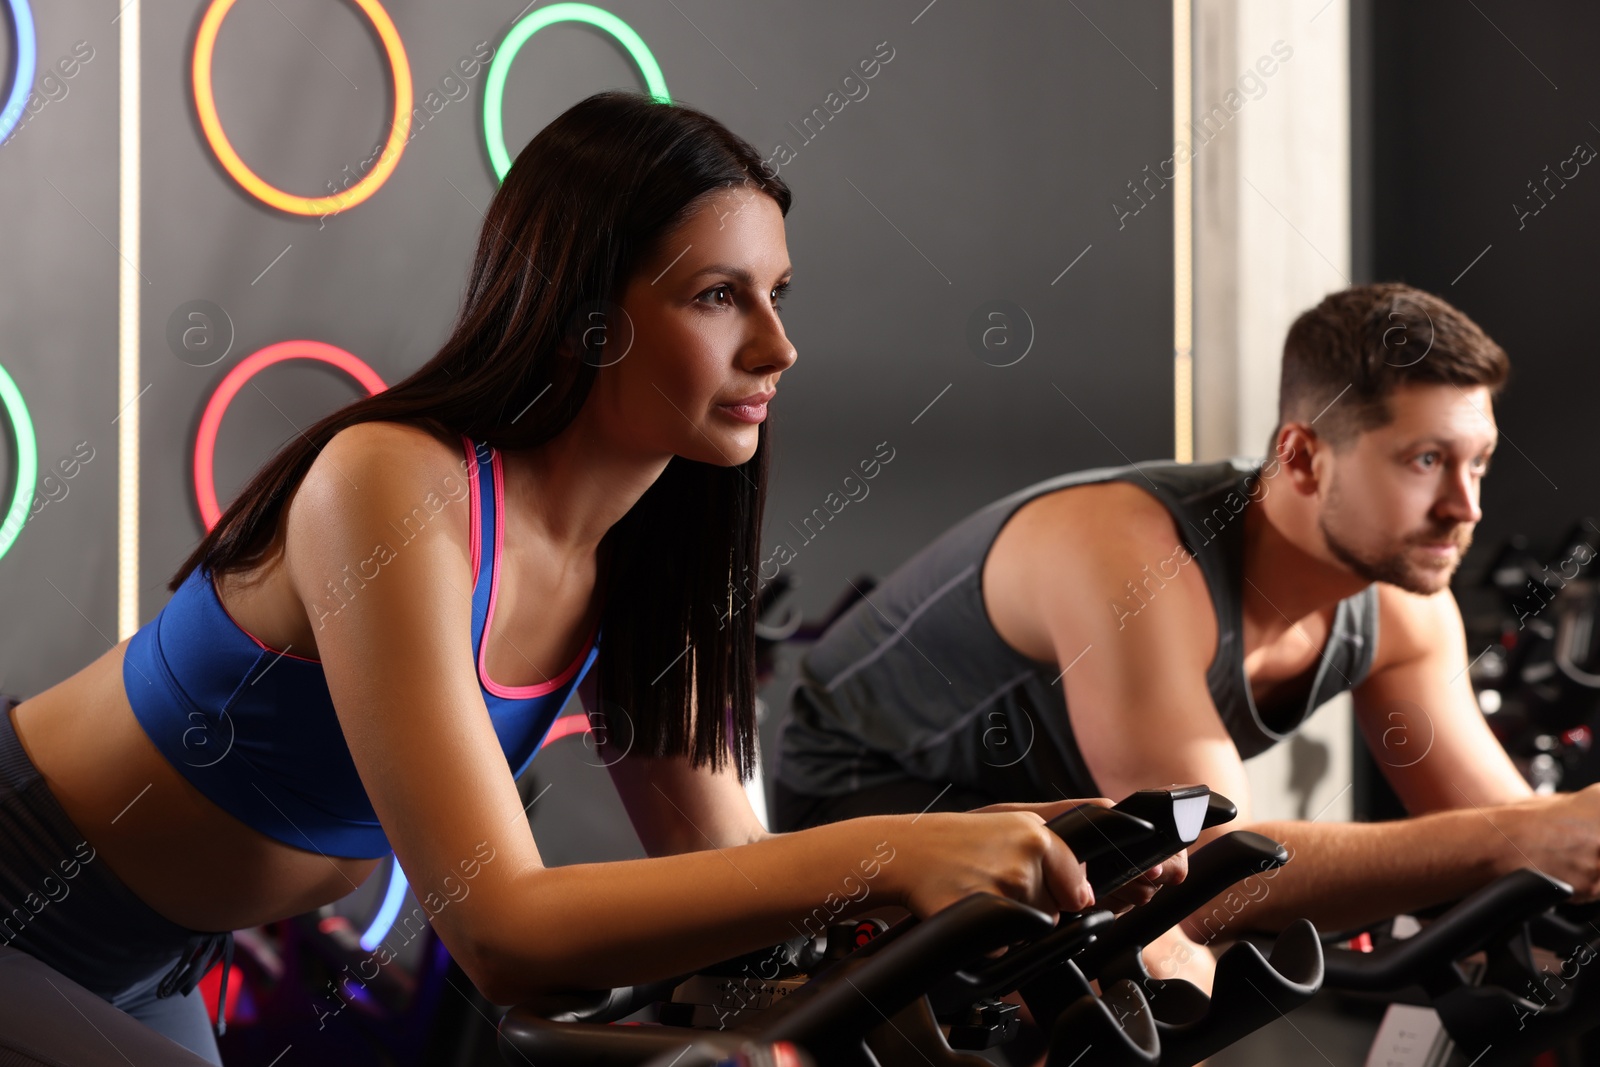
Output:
[[181, 854]]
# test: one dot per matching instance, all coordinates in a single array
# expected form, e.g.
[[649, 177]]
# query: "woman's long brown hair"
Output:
[[584, 205]]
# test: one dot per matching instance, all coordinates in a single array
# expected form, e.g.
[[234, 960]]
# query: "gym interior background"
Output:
[[1028, 238]]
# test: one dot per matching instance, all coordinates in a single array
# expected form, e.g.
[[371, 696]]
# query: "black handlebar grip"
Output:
[[1182, 811], [1212, 870], [1425, 958], [1145, 828], [1178, 814], [827, 1017], [526, 1038], [1092, 832], [1114, 1030], [1250, 991], [1219, 809], [1022, 964], [599, 1005]]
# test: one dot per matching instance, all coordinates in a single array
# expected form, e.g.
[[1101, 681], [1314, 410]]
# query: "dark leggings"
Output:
[[61, 905], [903, 796]]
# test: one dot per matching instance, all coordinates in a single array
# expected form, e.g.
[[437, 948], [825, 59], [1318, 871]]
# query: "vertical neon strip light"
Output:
[[1182, 243], [128, 330]]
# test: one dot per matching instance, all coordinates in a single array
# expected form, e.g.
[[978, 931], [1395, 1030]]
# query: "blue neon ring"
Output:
[[27, 58], [394, 895]]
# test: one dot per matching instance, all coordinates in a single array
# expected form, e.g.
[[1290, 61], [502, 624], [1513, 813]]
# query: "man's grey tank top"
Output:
[[914, 680]]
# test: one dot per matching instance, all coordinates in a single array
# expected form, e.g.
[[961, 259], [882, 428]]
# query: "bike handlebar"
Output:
[[1427, 958]]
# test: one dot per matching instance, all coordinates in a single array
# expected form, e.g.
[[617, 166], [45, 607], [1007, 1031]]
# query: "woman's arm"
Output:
[[400, 670], [602, 924]]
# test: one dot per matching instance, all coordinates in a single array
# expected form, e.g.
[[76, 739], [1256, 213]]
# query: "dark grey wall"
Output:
[[984, 160], [1466, 108], [1455, 109], [58, 333]]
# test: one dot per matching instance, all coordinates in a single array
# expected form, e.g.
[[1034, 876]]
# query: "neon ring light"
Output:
[[394, 895], [205, 442], [27, 461], [494, 87], [27, 56], [205, 44]]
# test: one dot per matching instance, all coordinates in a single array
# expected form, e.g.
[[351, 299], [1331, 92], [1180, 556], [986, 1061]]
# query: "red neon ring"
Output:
[[205, 442]]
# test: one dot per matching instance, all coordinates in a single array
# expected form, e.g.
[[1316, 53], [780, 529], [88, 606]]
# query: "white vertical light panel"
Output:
[[128, 296], [1272, 199], [1182, 242], [1272, 238], [1294, 193]]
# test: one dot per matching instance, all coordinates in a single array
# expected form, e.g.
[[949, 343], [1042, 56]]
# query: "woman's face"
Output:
[[695, 360]]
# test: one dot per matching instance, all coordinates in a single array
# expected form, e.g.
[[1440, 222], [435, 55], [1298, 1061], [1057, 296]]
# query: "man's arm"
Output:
[[1142, 717], [1056, 585], [1478, 818], [1092, 578], [675, 808], [1419, 716]]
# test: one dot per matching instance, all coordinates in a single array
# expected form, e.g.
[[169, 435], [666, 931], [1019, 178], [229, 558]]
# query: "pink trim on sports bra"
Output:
[[510, 692]]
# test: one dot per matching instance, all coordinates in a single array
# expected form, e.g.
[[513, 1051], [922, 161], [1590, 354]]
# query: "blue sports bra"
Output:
[[255, 729]]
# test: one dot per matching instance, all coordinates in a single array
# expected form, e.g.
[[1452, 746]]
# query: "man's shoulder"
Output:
[[1104, 520], [1069, 555], [1142, 494], [1412, 624]]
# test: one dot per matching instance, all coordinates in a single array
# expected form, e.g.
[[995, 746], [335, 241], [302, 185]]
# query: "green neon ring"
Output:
[[27, 461], [494, 87]]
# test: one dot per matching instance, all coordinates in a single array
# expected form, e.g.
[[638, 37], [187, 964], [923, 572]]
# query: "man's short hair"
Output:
[[1344, 358]]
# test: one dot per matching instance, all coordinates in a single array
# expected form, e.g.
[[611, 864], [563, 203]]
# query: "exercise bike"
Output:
[[1502, 976], [867, 994], [1536, 623], [1494, 980]]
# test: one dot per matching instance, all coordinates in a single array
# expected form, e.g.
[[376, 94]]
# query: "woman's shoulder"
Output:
[[398, 457], [388, 441], [375, 472]]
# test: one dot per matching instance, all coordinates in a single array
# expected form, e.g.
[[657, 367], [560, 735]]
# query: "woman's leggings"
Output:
[[61, 905]]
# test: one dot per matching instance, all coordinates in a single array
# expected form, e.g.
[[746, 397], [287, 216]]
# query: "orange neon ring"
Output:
[[205, 43]]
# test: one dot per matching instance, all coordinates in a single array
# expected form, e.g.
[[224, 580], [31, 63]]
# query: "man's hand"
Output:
[[1139, 891], [1557, 835]]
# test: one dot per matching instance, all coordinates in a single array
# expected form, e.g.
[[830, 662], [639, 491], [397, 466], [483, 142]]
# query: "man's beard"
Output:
[[1394, 566]]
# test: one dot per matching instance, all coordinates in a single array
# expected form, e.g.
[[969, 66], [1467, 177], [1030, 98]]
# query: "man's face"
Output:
[[1402, 500]]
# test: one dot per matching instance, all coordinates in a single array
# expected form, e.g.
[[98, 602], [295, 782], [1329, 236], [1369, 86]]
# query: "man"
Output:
[[1132, 627]]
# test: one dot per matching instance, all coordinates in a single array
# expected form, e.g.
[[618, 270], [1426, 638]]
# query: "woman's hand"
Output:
[[1139, 891], [1170, 871], [945, 856]]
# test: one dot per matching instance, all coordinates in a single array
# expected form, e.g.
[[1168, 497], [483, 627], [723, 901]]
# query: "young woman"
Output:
[[378, 632]]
